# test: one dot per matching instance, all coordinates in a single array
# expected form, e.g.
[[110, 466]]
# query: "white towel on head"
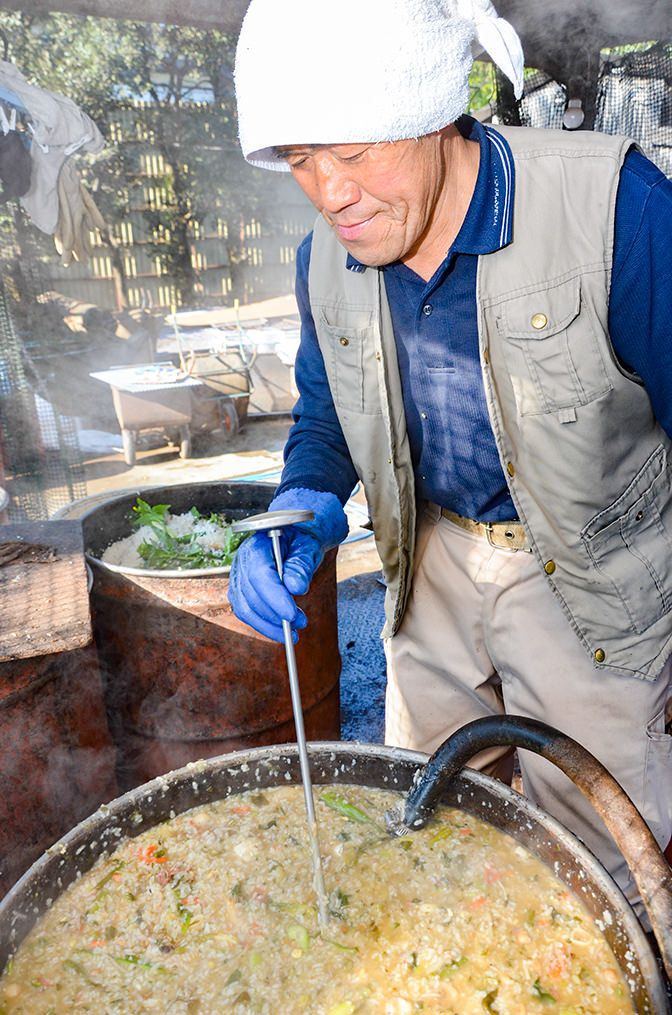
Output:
[[498, 38], [338, 71]]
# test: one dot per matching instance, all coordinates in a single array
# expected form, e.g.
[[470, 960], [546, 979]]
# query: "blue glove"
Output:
[[257, 595]]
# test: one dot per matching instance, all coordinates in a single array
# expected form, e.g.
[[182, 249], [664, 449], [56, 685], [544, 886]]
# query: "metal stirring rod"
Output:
[[303, 752], [273, 522]]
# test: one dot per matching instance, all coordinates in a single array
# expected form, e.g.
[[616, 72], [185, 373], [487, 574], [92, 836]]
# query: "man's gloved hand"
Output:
[[257, 595]]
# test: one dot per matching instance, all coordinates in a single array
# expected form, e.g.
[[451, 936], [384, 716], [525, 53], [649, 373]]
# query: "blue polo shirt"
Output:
[[435, 324]]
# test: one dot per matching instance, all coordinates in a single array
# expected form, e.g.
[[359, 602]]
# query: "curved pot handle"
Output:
[[650, 869]]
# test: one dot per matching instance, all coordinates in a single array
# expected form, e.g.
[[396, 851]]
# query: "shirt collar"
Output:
[[488, 223]]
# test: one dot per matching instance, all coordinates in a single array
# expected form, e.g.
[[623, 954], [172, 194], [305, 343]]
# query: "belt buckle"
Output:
[[499, 546]]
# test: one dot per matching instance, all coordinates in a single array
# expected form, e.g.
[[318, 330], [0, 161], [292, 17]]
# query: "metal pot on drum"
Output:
[[184, 678], [365, 765]]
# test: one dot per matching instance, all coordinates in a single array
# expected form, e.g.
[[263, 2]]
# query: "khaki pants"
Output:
[[483, 634]]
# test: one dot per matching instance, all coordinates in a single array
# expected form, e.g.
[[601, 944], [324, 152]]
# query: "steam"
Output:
[[51, 779], [565, 39]]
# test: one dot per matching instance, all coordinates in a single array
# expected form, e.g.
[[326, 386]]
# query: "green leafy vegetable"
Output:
[[79, 969], [488, 1001], [338, 900], [297, 933], [342, 1008], [166, 550], [450, 967], [337, 944], [443, 833], [110, 874], [348, 810], [542, 994], [143, 514], [135, 960]]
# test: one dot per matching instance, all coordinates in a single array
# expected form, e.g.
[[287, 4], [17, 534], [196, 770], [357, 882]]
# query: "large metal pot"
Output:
[[367, 765]]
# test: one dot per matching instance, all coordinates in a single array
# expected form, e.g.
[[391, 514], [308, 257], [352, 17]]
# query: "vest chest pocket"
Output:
[[551, 348], [351, 365]]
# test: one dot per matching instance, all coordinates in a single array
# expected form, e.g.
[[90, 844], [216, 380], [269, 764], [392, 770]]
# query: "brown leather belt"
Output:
[[503, 535]]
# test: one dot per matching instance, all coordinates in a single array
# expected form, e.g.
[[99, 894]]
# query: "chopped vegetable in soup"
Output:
[[214, 912]]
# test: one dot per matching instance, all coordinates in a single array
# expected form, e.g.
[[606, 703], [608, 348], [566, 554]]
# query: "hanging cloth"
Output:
[[58, 128]]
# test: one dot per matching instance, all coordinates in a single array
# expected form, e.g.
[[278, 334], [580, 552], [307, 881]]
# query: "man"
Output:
[[485, 333]]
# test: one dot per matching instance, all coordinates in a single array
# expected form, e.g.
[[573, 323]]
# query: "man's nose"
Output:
[[337, 188]]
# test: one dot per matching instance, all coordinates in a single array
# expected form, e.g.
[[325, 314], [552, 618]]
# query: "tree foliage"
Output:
[[171, 89]]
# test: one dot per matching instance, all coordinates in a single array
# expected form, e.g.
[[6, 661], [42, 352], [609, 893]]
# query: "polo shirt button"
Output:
[[427, 309]]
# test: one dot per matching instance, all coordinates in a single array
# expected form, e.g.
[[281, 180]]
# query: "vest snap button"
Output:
[[539, 321], [344, 341], [600, 655], [549, 566], [510, 469]]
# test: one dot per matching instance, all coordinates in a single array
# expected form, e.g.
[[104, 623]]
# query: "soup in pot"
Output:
[[214, 911]]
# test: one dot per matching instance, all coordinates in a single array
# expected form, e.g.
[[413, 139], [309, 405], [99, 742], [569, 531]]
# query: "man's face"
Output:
[[381, 200]]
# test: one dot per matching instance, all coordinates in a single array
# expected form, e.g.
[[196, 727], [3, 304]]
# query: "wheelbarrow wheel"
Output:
[[229, 416], [185, 442], [128, 441]]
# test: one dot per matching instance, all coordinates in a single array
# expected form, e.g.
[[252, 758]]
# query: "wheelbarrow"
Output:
[[224, 370], [148, 397]]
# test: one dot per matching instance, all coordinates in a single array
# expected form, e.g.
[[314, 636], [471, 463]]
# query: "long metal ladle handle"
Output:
[[273, 522], [318, 876]]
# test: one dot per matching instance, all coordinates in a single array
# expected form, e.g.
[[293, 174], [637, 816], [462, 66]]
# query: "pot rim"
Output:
[[146, 572], [90, 507]]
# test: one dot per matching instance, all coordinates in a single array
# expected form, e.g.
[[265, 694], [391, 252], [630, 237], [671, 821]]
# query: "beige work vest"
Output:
[[586, 463]]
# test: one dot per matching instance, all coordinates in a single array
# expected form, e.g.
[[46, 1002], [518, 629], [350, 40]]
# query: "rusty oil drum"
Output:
[[184, 678], [56, 754]]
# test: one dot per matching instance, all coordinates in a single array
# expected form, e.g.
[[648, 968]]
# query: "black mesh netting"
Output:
[[40, 460], [633, 97], [543, 102]]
